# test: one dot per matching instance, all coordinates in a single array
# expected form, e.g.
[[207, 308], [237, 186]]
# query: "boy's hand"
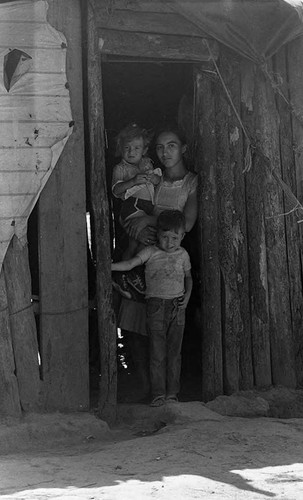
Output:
[[183, 301]]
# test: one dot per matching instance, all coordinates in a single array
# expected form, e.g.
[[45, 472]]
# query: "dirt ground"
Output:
[[180, 451]]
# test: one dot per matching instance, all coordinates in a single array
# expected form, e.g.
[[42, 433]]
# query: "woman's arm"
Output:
[[191, 211]]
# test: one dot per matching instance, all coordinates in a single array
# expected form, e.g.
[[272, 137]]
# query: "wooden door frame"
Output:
[[101, 216]]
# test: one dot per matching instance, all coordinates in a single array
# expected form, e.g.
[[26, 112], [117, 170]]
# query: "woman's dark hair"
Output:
[[171, 128], [171, 220], [130, 132]]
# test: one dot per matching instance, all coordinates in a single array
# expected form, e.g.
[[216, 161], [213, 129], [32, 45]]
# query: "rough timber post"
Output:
[[280, 328], [206, 163], [62, 244], [101, 219]]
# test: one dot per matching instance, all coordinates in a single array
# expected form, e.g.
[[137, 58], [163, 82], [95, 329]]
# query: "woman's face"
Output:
[[169, 149]]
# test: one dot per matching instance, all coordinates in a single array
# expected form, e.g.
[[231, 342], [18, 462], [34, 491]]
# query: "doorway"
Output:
[[151, 94]]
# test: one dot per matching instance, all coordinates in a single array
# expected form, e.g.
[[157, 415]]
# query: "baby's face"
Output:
[[133, 151], [170, 241]]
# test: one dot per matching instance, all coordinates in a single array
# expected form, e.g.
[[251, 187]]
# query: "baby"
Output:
[[134, 178]]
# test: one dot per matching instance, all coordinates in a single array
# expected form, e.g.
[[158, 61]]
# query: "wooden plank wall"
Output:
[[149, 30], [62, 245], [252, 299]]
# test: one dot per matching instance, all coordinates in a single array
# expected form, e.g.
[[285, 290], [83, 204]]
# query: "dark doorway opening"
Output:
[[151, 94]]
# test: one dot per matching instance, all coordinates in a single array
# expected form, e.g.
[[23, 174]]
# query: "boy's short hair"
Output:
[[171, 220], [130, 132]]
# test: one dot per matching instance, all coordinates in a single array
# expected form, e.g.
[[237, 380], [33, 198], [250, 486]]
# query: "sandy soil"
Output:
[[183, 451]]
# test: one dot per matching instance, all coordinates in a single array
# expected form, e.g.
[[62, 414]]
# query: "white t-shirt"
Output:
[[164, 271]]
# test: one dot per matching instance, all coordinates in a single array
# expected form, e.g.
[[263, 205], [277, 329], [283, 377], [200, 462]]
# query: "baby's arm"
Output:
[[188, 285], [126, 265], [122, 186]]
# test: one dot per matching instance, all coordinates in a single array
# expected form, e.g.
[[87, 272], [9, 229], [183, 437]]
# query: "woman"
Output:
[[177, 190]]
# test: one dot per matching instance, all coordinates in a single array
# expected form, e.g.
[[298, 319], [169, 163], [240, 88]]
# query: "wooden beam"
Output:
[[291, 159], [280, 327], [22, 323], [146, 22], [258, 286], [136, 5], [155, 46], [9, 393], [229, 232], [62, 240], [206, 166], [238, 307], [101, 220]]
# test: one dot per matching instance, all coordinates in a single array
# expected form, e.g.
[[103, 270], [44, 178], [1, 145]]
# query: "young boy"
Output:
[[168, 288]]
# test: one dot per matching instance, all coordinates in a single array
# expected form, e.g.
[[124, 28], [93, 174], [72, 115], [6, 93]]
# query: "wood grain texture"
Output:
[[62, 244], [290, 128], [101, 219], [238, 222], [144, 45], [22, 324], [280, 328], [206, 166], [257, 263], [9, 392], [145, 22]]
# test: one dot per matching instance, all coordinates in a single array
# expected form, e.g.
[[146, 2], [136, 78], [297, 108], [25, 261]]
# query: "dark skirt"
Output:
[[132, 316]]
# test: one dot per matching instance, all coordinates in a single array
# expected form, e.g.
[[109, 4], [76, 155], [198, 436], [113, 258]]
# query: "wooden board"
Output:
[[293, 174], [22, 324], [267, 136], [239, 275], [145, 22], [155, 46], [62, 245], [31, 109], [258, 288], [228, 226], [38, 134], [101, 216], [9, 392], [134, 5], [206, 166]]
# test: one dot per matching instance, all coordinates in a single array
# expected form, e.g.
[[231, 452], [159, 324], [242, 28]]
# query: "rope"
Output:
[[248, 154], [276, 85], [56, 313]]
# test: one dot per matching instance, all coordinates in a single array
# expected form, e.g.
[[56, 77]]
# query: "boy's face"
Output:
[[170, 241], [133, 151]]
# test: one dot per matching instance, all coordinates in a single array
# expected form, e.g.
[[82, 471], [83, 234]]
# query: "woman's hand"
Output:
[[148, 236], [134, 226], [140, 179]]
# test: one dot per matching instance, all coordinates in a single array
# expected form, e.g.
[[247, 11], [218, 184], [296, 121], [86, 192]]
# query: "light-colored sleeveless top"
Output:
[[174, 195]]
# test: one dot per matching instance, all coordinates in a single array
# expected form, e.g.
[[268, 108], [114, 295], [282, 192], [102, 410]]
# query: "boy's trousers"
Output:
[[165, 324]]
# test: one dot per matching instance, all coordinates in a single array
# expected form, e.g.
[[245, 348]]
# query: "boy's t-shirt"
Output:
[[164, 271]]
